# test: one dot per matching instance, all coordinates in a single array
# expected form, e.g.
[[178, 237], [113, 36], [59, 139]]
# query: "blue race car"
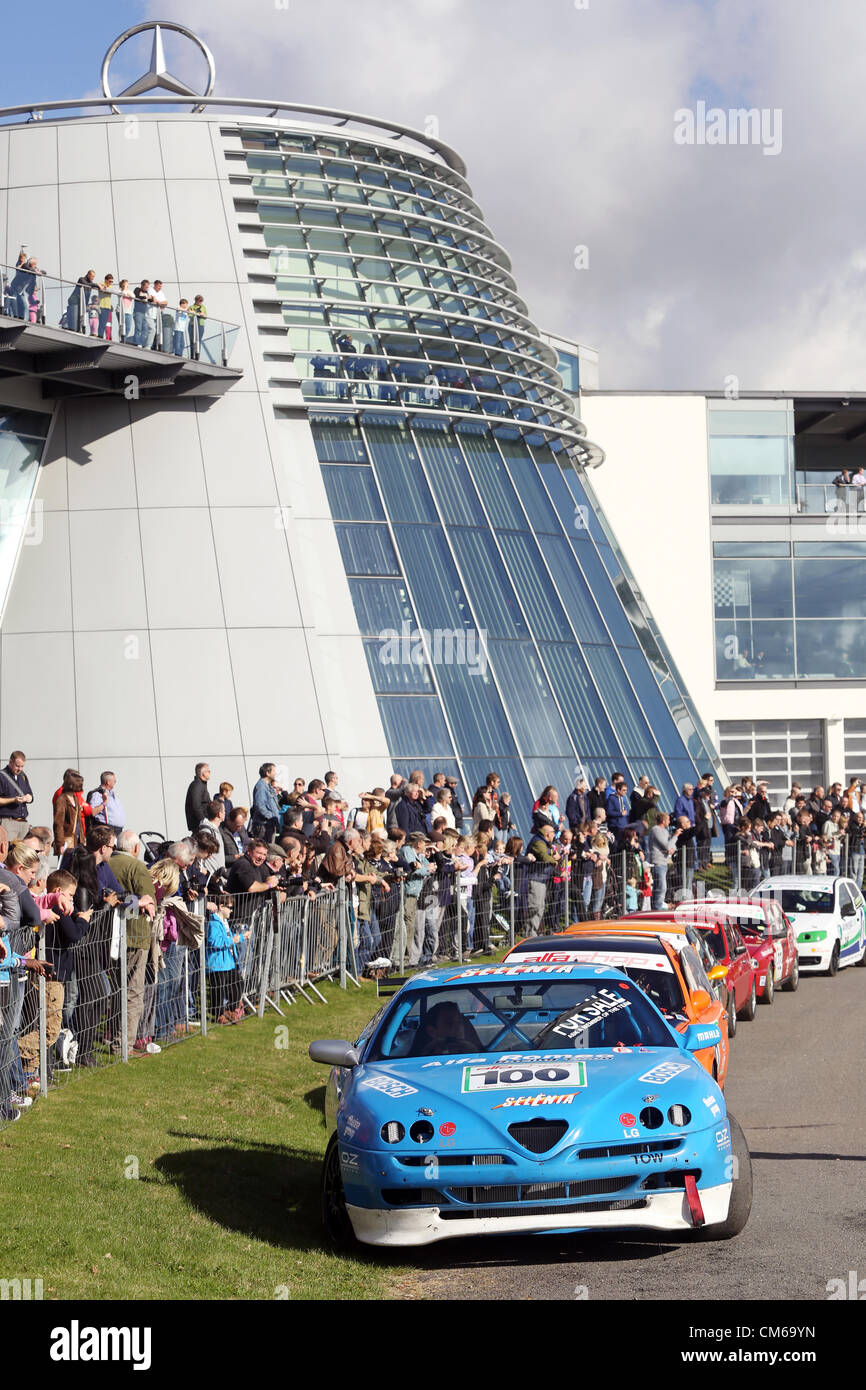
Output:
[[619, 1126]]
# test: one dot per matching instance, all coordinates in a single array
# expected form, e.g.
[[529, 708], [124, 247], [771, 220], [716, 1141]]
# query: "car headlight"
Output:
[[392, 1132], [680, 1115], [651, 1118], [422, 1132]]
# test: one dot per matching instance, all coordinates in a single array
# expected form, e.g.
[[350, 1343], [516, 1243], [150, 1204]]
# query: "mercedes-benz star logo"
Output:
[[157, 75]]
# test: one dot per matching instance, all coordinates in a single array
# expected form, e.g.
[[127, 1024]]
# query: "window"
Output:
[[855, 749], [778, 752], [750, 457]]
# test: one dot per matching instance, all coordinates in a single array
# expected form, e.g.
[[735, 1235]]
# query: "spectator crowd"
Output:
[[110, 309], [410, 861]]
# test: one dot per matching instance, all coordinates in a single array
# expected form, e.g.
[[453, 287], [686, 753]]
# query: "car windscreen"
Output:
[[651, 971], [508, 1014], [715, 939], [794, 901]]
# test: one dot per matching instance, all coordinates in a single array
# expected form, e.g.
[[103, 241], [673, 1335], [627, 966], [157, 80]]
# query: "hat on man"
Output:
[[276, 852]]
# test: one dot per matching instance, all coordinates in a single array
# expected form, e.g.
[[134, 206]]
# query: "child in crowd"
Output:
[[224, 983], [181, 328]]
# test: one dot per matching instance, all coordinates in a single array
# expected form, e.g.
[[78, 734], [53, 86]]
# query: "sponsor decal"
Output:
[[707, 1037], [663, 1073], [723, 1137], [388, 1087], [447, 1129], [536, 1100], [615, 960], [353, 1124], [627, 1119], [453, 1062], [621, 1048], [647, 1100], [481, 971], [510, 1077], [349, 1160], [647, 1158], [599, 1005], [713, 1106]]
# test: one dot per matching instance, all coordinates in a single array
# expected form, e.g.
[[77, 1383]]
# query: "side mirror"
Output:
[[718, 972], [701, 1000], [848, 910], [334, 1053], [700, 1035]]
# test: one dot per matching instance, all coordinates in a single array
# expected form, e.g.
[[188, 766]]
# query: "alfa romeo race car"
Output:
[[527, 1098]]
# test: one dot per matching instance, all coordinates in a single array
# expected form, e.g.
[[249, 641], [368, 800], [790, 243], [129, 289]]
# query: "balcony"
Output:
[[79, 340]]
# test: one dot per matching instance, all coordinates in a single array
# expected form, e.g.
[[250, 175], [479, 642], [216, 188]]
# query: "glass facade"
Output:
[[788, 612], [775, 751], [751, 456], [22, 440], [498, 633]]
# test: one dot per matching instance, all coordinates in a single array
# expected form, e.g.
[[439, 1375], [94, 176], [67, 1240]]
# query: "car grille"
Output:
[[538, 1135], [652, 1146], [572, 1211], [538, 1191], [451, 1160]]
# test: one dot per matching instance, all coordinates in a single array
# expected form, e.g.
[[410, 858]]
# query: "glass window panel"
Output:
[[831, 650], [749, 422], [652, 703], [381, 605], [573, 589], [512, 781], [551, 772], [367, 550], [475, 710], [352, 493], [326, 241], [414, 726], [857, 548], [760, 650], [631, 727], [433, 577], [397, 665], [751, 588], [749, 471], [400, 474], [545, 612], [529, 700], [528, 483], [495, 600], [449, 479], [493, 482], [591, 730], [277, 212], [830, 588], [734, 550], [338, 443]]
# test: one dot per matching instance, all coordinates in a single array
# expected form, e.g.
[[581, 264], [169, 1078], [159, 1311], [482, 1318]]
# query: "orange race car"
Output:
[[663, 965]]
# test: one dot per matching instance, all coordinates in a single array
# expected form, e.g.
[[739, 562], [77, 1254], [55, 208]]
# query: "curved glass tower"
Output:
[[452, 454]]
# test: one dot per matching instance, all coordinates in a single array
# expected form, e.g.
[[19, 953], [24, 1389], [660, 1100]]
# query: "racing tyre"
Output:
[[833, 967], [793, 979], [747, 1012], [741, 1192], [335, 1217], [732, 1017], [770, 986]]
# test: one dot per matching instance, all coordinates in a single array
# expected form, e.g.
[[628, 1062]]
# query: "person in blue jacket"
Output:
[[10, 964], [224, 982]]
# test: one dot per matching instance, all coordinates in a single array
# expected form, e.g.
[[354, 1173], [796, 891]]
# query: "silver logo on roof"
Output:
[[157, 77]]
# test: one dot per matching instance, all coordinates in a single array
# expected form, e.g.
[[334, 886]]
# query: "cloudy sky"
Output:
[[704, 261]]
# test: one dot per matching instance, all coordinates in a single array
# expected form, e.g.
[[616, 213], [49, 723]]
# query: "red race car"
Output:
[[728, 948], [763, 925]]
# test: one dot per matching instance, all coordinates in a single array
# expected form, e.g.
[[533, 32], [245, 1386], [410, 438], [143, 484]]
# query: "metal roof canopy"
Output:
[[75, 364]]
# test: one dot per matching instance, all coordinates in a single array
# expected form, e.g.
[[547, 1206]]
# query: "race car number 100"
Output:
[[564, 1076]]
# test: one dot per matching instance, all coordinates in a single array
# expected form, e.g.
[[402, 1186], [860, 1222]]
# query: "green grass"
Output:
[[228, 1134]]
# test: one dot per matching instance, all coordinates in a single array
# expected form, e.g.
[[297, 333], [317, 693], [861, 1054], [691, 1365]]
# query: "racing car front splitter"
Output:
[[661, 1211]]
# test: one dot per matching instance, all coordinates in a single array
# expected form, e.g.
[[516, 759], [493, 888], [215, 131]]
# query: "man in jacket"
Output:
[[16, 796], [197, 797], [638, 798], [130, 872], [598, 797], [266, 804], [577, 808], [662, 843], [410, 811], [759, 806], [539, 876], [684, 804], [617, 807]]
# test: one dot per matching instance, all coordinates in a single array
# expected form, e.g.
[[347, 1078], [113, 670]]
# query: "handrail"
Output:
[[829, 497], [31, 294], [34, 110]]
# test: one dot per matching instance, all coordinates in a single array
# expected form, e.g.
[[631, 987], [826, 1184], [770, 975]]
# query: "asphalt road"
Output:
[[795, 1083]]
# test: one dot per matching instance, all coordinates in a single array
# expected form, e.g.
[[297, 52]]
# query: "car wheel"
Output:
[[793, 979], [747, 1012], [770, 987], [741, 1191], [335, 1217], [833, 967], [732, 1017], [862, 960]]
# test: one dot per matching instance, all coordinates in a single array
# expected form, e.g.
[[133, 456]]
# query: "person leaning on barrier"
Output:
[[131, 874], [250, 873]]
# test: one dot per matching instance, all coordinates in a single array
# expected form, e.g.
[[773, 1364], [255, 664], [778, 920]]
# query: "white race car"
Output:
[[828, 914]]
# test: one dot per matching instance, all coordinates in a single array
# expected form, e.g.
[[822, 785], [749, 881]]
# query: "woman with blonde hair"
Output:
[[166, 881], [600, 867]]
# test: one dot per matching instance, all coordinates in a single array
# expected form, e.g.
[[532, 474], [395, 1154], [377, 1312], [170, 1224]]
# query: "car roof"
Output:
[[595, 941], [799, 881], [457, 971]]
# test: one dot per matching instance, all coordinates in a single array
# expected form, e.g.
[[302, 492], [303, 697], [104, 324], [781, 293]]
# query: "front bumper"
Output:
[[814, 955], [662, 1211]]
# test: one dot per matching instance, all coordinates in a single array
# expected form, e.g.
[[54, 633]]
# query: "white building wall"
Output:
[[187, 601]]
